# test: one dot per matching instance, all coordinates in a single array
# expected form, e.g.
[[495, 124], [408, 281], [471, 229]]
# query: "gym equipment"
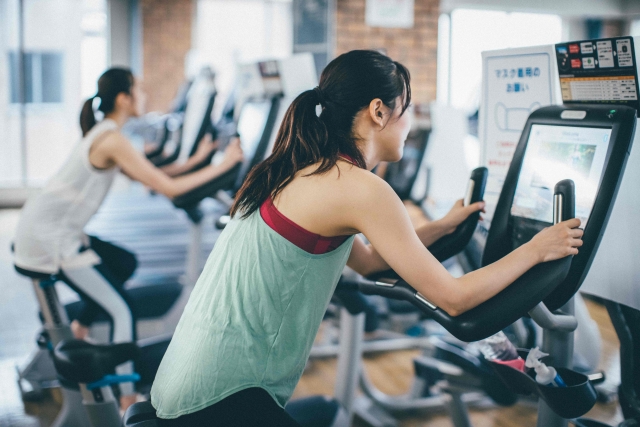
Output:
[[444, 364], [401, 175], [56, 330], [554, 135], [544, 281]]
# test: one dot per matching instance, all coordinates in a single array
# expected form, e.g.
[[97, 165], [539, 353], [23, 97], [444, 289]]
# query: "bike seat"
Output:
[[34, 274], [82, 362], [140, 414], [148, 300]]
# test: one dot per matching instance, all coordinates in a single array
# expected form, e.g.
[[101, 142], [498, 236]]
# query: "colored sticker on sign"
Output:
[[588, 62], [575, 63], [574, 48], [586, 47]]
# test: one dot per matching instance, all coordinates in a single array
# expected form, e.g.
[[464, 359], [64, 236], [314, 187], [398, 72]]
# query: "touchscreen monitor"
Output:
[[555, 153], [251, 123]]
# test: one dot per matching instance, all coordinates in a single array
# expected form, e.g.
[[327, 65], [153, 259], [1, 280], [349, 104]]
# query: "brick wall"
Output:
[[416, 48], [166, 40]]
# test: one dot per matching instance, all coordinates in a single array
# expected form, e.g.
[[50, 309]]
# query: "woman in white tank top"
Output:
[[50, 235]]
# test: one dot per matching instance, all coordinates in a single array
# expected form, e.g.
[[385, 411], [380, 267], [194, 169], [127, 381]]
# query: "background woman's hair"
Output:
[[110, 84], [347, 85]]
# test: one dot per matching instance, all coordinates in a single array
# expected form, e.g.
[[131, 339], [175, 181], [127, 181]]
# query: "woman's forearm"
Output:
[[173, 169], [431, 232], [428, 234], [185, 183], [480, 285]]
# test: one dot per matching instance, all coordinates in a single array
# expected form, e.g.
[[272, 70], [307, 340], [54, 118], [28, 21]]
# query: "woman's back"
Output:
[[250, 321], [50, 231], [319, 203]]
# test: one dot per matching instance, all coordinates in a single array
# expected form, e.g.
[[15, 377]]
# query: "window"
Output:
[[470, 32], [42, 78], [223, 44]]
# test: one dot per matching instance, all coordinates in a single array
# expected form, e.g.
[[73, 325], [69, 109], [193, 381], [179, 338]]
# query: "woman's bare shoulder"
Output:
[[362, 186]]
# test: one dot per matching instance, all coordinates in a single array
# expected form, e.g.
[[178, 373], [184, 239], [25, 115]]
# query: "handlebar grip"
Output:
[[564, 201], [450, 245], [477, 184]]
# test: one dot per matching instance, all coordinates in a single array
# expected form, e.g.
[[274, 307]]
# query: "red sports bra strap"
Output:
[[302, 238]]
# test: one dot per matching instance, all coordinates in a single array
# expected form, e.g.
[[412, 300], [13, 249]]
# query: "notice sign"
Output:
[[600, 71], [515, 82], [389, 13]]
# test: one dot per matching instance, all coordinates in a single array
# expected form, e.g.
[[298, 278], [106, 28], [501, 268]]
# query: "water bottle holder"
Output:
[[569, 402]]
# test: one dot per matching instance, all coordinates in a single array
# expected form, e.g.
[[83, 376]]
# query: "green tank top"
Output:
[[250, 321]]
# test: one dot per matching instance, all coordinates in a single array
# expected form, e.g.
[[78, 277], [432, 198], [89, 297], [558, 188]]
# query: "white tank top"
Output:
[[50, 232]]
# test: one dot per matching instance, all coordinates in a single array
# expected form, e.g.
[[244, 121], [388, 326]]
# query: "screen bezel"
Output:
[[267, 104], [622, 120], [529, 222]]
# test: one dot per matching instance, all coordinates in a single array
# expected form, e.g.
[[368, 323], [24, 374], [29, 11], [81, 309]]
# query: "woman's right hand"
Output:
[[558, 241], [205, 147], [233, 153]]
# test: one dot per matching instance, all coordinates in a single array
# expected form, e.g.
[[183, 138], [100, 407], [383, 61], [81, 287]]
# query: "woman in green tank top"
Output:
[[246, 333]]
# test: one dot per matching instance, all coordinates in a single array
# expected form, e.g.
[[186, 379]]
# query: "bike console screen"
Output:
[[251, 124], [555, 153]]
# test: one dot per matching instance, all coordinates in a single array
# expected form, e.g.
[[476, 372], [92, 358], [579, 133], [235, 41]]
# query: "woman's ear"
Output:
[[376, 111]]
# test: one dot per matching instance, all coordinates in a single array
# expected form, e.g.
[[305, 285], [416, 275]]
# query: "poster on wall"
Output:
[[515, 82], [389, 13]]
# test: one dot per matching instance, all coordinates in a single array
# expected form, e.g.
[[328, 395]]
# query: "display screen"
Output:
[[251, 124], [555, 153]]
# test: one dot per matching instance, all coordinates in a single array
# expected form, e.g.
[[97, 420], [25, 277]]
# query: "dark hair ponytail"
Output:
[[347, 85], [111, 83]]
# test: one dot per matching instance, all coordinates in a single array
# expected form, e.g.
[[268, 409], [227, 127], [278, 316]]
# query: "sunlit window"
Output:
[[62, 59], [42, 77], [474, 31], [230, 32], [93, 47]]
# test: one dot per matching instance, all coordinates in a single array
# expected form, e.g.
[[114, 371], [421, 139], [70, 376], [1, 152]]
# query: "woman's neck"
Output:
[[118, 116], [369, 153]]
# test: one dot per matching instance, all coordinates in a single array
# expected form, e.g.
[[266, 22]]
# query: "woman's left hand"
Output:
[[459, 213], [205, 147]]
